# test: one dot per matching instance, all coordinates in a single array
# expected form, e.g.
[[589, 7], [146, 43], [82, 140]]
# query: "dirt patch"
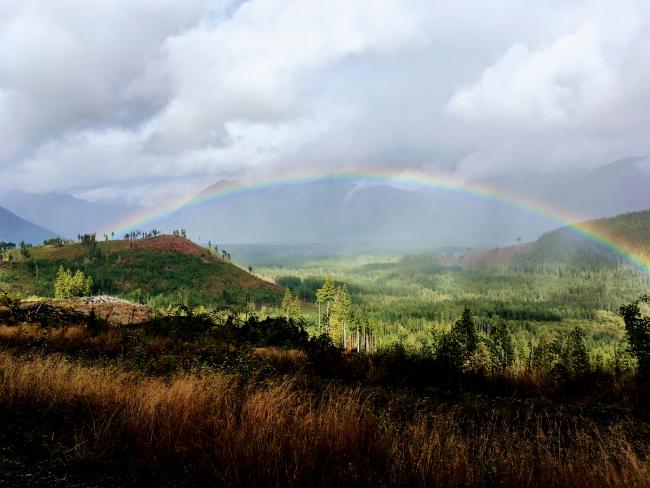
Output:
[[496, 257], [115, 311], [168, 244]]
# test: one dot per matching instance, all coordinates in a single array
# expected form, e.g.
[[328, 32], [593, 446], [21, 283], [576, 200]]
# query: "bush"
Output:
[[637, 328], [68, 285]]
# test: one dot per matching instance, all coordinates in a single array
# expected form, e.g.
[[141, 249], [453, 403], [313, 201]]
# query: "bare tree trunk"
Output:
[[318, 316], [328, 315], [344, 337]]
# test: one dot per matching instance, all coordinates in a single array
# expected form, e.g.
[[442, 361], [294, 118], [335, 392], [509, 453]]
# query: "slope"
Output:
[[66, 214], [15, 229], [160, 270], [567, 248]]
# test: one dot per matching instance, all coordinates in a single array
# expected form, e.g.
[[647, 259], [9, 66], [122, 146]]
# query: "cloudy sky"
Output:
[[145, 100]]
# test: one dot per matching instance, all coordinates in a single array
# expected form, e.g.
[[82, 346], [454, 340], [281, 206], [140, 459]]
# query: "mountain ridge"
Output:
[[14, 228]]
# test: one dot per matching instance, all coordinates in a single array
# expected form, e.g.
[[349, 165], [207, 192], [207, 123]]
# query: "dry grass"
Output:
[[211, 427]]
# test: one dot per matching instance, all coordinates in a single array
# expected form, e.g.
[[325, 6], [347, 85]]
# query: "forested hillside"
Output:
[[159, 270], [570, 248]]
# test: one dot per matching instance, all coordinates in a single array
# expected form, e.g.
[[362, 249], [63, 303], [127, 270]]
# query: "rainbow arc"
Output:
[[420, 178]]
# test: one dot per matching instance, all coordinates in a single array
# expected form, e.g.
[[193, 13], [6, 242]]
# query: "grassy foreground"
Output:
[[196, 428]]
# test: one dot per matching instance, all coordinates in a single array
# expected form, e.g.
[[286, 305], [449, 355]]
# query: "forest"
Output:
[[397, 369]]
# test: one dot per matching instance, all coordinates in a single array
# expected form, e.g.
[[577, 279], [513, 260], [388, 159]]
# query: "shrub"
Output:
[[637, 328], [68, 285]]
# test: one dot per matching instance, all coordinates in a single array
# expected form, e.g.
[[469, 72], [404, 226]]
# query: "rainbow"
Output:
[[419, 178]]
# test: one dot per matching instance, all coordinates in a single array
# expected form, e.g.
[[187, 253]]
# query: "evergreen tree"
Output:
[[637, 329], [291, 305], [500, 347], [326, 294], [78, 285], [61, 284], [575, 356], [340, 316], [286, 302], [88, 286], [67, 285], [319, 301], [465, 329]]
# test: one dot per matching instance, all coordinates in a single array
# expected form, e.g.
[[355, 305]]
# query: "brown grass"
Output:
[[213, 428]]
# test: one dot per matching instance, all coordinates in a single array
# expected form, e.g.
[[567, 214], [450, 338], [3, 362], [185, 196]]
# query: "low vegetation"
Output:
[[199, 396], [159, 270], [348, 371]]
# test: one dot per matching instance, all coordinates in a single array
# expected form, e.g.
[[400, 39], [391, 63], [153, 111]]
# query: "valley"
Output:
[[408, 349]]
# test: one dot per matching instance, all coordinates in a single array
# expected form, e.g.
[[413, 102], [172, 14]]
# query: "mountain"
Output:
[[604, 191], [15, 229], [360, 213], [65, 214], [160, 270], [608, 190], [354, 214], [566, 246]]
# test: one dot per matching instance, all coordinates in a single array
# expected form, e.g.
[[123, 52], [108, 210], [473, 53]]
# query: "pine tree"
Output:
[[575, 354], [67, 285], [319, 301], [500, 347], [78, 284], [60, 284], [88, 286], [296, 308], [465, 329], [287, 302], [326, 294], [341, 308], [637, 329]]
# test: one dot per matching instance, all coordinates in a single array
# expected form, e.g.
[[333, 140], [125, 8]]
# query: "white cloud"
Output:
[[107, 97], [561, 83]]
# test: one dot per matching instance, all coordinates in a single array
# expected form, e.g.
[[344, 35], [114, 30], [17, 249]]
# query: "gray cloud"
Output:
[[151, 99]]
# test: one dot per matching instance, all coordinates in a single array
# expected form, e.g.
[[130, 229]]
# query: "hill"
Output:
[[159, 270], [15, 229], [65, 214], [567, 247], [377, 214]]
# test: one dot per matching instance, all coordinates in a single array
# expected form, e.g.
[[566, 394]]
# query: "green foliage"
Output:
[[565, 358], [501, 348], [154, 277], [7, 246], [465, 330], [55, 241], [637, 328], [290, 305], [412, 300], [340, 314], [7, 299], [24, 250], [575, 357], [89, 242], [451, 353], [327, 292], [68, 285]]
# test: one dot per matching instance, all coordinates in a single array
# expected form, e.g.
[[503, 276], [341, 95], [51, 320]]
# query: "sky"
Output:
[[148, 100]]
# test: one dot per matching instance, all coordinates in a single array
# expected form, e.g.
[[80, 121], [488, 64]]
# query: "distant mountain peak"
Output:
[[221, 185], [15, 229]]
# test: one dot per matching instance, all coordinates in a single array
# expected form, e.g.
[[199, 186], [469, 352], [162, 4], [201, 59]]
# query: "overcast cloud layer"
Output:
[[149, 99]]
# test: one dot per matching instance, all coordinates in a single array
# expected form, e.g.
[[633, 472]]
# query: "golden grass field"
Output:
[[214, 428]]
